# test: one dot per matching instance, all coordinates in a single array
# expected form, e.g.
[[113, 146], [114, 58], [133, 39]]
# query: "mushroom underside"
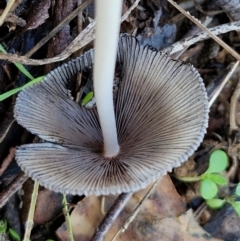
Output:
[[161, 113]]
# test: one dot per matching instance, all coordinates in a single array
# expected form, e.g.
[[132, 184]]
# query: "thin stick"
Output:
[[112, 214], [7, 160], [58, 28], [12, 188], [233, 103], [186, 42], [135, 212], [79, 75], [198, 23], [30, 223], [6, 11], [220, 87]]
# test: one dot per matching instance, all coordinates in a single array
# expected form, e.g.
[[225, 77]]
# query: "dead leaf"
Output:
[[86, 215], [38, 15], [48, 205], [163, 202]]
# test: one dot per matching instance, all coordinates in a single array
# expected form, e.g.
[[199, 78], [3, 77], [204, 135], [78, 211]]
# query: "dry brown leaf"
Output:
[[161, 218], [86, 215], [163, 202], [38, 15], [184, 227], [48, 205]]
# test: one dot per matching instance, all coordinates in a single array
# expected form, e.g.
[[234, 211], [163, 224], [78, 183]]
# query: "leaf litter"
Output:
[[165, 215]]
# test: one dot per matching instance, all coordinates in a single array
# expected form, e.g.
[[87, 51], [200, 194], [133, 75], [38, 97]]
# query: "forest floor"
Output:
[[167, 210]]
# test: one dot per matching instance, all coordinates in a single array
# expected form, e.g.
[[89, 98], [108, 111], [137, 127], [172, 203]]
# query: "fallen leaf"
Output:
[[49, 204], [163, 202], [38, 14]]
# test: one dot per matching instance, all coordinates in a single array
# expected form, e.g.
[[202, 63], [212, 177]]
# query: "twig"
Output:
[[135, 212], [7, 160], [12, 188], [79, 75], [111, 216], [198, 23], [58, 28], [192, 32], [29, 223], [85, 37], [186, 42], [233, 103], [7, 124], [198, 213], [232, 152], [6, 11], [222, 84], [88, 36]]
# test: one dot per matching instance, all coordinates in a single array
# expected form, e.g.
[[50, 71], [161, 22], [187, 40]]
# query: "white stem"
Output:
[[108, 17]]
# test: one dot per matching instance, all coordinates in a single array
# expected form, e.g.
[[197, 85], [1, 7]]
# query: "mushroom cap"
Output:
[[161, 110]]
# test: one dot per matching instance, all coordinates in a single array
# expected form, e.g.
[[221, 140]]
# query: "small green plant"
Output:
[[87, 98], [211, 178], [217, 203]]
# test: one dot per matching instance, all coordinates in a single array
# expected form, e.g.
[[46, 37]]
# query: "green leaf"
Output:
[[218, 162], [34, 81], [24, 70], [3, 225], [236, 206], [218, 179], [215, 203], [9, 93], [237, 191], [19, 66], [14, 235], [14, 91], [87, 98], [208, 189]]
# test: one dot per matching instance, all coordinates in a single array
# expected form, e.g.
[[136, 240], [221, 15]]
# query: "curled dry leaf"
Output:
[[13, 20]]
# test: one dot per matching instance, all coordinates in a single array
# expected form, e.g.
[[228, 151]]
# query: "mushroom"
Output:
[[161, 110]]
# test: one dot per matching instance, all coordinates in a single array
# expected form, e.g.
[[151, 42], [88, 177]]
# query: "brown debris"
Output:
[[6, 162], [15, 185], [160, 218], [63, 38], [38, 14], [49, 204], [13, 20]]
